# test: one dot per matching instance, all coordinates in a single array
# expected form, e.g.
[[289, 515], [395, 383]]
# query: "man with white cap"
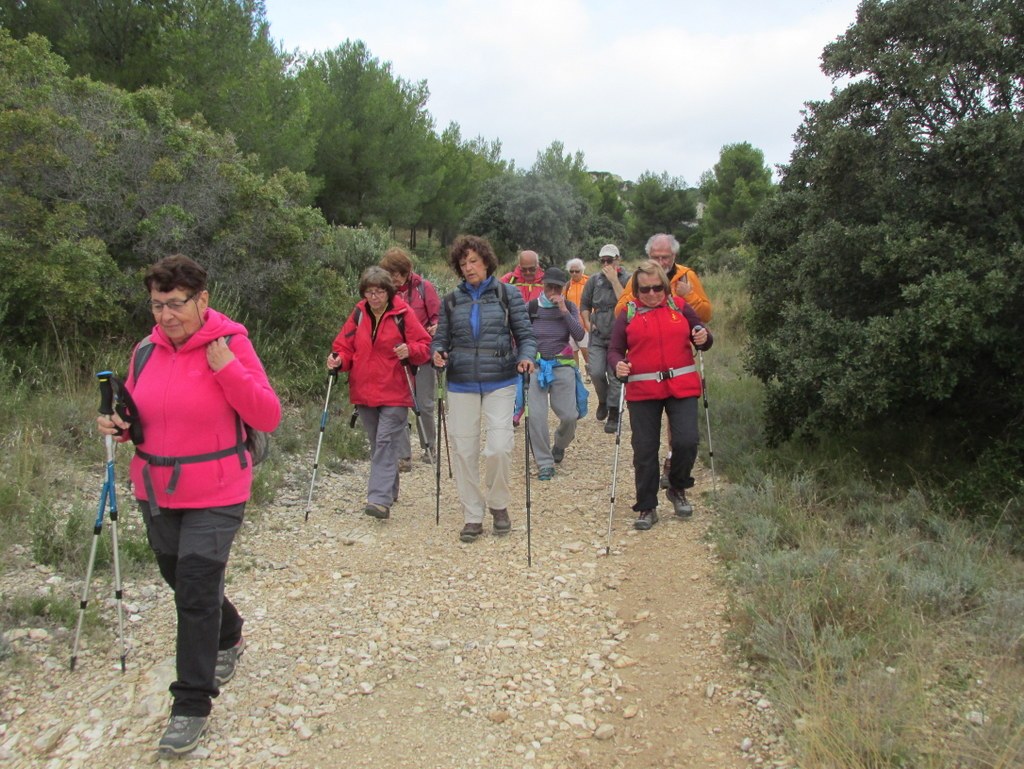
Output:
[[597, 305]]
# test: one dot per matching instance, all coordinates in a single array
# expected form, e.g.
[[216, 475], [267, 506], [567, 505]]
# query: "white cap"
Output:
[[609, 250]]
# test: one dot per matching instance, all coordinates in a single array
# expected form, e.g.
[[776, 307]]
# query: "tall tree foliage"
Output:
[[375, 152], [465, 166], [529, 210], [95, 184], [659, 203], [733, 191], [215, 56], [890, 283]]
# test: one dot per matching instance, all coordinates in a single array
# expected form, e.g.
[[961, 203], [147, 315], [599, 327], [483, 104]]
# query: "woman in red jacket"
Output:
[[376, 344], [658, 336]]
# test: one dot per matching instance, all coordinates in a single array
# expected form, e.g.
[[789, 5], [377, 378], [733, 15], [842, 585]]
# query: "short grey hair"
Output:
[[672, 242], [574, 263]]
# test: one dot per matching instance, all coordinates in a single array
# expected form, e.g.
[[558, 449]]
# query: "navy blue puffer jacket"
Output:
[[506, 335]]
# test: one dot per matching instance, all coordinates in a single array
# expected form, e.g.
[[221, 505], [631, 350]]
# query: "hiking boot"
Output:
[[678, 499], [182, 735], [612, 425], [545, 474], [471, 531], [227, 661], [405, 465], [558, 453], [663, 482], [645, 520], [502, 523], [377, 511], [602, 412], [428, 456]]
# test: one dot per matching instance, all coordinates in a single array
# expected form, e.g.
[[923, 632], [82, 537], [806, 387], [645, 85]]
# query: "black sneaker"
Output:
[[227, 661], [182, 735], [602, 412], [612, 425], [558, 453], [645, 520], [678, 499]]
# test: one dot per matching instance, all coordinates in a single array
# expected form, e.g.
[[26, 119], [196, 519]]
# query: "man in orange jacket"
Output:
[[664, 248]]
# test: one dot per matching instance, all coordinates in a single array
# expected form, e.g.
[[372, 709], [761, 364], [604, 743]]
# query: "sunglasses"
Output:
[[649, 289], [607, 260]]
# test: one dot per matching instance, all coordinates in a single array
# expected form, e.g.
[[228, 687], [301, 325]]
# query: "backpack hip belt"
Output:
[[661, 376]]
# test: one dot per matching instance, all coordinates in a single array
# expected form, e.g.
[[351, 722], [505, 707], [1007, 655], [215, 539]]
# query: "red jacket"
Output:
[[376, 375], [420, 294], [530, 289], [656, 340]]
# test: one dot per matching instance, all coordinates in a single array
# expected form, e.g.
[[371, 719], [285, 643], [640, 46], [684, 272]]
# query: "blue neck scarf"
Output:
[[475, 293]]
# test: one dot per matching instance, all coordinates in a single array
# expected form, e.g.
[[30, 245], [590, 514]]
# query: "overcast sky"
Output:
[[636, 86]]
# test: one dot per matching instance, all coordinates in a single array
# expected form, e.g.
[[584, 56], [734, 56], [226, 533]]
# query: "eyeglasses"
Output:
[[649, 289], [527, 269], [575, 270], [607, 259], [375, 292], [174, 305]]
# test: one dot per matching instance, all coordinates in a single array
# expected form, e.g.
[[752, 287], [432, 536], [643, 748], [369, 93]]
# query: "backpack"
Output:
[[256, 441], [631, 308], [449, 301]]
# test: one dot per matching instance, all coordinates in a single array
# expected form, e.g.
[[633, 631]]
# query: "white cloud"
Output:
[[658, 86]]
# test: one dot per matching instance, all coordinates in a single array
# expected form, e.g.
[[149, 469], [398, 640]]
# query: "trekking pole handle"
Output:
[[623, 379], [106, 393]]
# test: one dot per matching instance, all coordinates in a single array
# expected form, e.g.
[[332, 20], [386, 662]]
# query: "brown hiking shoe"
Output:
[[502, 523], [471, 531], [645, 520], [679, 502]]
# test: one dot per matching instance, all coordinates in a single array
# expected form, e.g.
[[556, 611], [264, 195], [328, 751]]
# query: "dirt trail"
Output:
[[391, 644]]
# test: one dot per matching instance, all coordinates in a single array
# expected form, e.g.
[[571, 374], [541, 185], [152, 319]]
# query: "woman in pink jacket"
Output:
[[376, 344], [192, 475]]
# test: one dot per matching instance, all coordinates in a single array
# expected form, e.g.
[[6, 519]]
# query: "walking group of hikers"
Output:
[[499, 348]]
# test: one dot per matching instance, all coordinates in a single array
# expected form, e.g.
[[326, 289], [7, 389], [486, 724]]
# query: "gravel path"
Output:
[[392, 644]]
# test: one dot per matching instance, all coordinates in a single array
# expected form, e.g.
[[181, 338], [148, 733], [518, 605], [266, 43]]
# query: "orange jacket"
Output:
[[573, 291], [697, 299]]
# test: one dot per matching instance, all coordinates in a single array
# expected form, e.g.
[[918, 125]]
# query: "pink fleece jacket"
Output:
[[186, 408]]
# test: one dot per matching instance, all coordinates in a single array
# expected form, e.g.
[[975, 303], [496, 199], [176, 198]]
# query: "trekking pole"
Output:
[[707, 415], [437, 443], [331, 377], [442, 420], [416, 410], [526, 421], [615, 467], [107, 494]]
